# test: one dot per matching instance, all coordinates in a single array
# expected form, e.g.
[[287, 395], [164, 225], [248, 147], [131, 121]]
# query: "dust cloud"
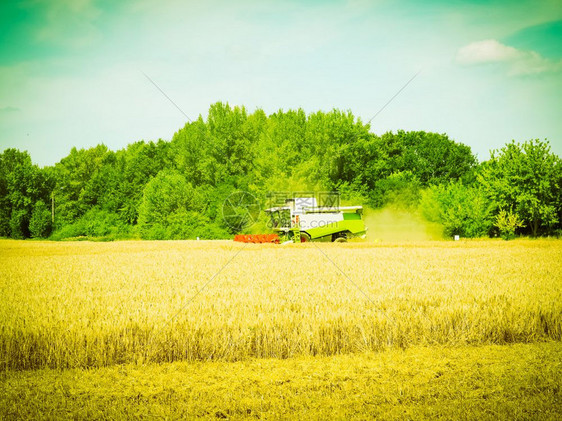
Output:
[[397, 225]]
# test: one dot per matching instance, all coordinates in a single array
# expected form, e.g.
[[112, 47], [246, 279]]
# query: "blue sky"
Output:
[[71, 72]]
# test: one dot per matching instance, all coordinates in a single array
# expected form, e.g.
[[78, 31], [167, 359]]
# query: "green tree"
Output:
[[40, 224], [75, 189], [22, 184], [279, 148], [19, 224], [434, 158], [167, 200], [372, 164], [5, 205], [189, 149], [138, 164], [401, 189], [462, 210], [526, 179]]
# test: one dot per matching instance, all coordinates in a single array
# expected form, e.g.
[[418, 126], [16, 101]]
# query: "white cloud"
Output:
[[488, 51], [518, 62]]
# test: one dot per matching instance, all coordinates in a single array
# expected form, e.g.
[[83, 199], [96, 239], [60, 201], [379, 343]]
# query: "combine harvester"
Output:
[[301, 220]]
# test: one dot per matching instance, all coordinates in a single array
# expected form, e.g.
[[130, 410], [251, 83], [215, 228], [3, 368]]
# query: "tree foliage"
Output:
[[526, 180], [40, 224], [167, 193], [507, 222], [462, 210], [176, 189], [22, 185]]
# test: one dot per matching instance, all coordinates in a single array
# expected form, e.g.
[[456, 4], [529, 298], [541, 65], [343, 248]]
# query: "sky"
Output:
[[83, 72]]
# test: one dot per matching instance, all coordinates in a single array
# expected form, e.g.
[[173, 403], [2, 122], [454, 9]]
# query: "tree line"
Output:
[[176, 189]]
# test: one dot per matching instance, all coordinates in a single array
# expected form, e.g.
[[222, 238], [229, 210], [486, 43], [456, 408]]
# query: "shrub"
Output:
[[95, 223], [462, 210], [507, 223], [183, 225]]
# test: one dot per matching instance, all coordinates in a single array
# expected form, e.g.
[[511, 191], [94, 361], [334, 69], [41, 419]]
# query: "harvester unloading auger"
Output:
[[301, 220]]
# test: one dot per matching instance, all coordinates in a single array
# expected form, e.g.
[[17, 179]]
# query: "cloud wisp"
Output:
[[518, 62], [9, 110], [69, 22]]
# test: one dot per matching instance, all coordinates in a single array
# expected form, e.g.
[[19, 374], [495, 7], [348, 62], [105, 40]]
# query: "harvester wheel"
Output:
[[305, 238], [340, 240]]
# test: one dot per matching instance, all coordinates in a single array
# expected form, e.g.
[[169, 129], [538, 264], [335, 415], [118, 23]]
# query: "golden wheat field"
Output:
[[97, 304], [85, 305]]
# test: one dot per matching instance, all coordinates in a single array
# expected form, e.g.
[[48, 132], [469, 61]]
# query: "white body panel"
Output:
[[316, 220]]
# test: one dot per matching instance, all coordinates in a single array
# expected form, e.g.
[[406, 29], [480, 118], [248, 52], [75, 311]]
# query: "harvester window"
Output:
[[274, 218], [285, 218]]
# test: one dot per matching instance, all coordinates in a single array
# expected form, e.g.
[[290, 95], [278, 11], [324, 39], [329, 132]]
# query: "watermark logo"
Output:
[[240, 210], [304, 199]]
